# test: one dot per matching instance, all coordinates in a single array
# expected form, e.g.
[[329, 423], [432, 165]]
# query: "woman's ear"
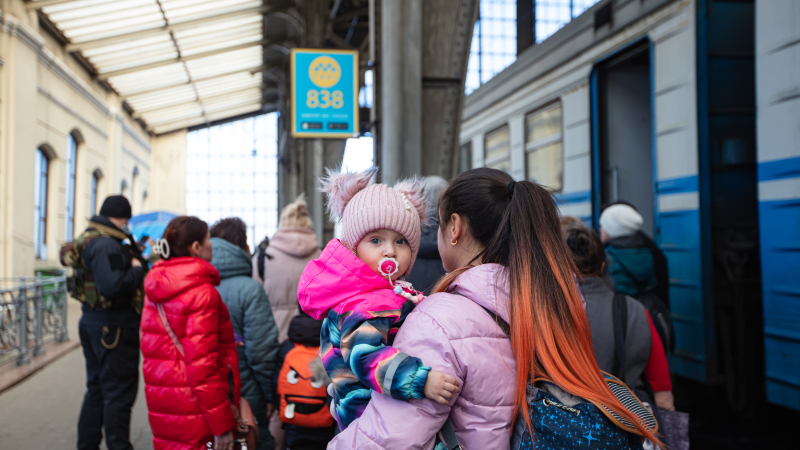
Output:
[[455, 227], [195, 249]]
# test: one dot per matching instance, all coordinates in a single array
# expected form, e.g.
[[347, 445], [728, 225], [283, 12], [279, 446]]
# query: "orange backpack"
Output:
[[302, 394]]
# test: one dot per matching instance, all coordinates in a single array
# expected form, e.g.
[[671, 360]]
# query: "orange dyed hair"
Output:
[[550, 335]]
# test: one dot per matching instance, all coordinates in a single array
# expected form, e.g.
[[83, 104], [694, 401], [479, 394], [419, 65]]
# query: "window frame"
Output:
[[41, 200], [533, 146], [93, 193], [72, 183], [487, 162]]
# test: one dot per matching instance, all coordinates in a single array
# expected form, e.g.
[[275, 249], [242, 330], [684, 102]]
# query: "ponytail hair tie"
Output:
[[510, 189]]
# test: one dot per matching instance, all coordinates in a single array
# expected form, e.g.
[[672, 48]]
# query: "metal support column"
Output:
[[401, 89]]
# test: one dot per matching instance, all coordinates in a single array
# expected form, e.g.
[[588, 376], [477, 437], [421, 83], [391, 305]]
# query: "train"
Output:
[[690, 110]]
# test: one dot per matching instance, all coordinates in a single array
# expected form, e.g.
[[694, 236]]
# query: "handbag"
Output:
[[246, 432]]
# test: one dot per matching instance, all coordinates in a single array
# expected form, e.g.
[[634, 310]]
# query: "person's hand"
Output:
[[440, 387], [664, 400], [136, 263], [224, 442], [270, 410]]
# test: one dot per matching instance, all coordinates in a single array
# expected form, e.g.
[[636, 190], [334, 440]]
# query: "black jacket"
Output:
[[116, 279], [428, 267]]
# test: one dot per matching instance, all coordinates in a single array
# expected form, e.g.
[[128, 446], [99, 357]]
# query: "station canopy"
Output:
[[177, 63]]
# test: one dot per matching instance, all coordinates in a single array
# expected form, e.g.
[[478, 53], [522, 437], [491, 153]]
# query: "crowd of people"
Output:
[[465, 313]]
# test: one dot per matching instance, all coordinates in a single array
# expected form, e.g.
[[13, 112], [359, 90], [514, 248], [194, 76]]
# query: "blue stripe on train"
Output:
[[779, 169], [780, 261], [680, 241]]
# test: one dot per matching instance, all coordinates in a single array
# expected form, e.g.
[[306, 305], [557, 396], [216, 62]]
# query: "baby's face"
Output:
[[383, 243]]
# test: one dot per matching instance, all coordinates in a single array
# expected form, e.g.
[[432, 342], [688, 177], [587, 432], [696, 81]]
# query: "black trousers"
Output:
[[112, 380]]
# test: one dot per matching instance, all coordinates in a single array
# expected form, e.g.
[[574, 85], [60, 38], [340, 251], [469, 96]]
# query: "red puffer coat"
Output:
[[187, 396]]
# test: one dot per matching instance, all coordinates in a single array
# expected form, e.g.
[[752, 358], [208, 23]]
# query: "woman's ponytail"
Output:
[[518, 223]]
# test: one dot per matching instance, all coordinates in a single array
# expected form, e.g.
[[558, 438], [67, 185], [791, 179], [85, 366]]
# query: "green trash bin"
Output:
[[51, 298]]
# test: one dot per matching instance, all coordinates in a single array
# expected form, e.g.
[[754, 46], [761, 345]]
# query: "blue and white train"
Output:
[[689, 109]]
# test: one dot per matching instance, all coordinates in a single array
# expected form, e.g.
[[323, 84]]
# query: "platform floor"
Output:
[[42, 411]]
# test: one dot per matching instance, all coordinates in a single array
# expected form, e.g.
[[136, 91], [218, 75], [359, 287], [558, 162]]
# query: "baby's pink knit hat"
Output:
[[363, 207]]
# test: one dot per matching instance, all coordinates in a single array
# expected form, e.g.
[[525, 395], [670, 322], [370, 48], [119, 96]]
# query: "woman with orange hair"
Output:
[[501, 243]]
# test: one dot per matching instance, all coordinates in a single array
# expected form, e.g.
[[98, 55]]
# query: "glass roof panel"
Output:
[[142, 52], [89, 18], [204, 8], [130, 45], [200, 75], [102, 8], [69, 6], [150, 19]]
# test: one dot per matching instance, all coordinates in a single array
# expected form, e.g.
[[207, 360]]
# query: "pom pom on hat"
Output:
[[341, 187], [620, 220]]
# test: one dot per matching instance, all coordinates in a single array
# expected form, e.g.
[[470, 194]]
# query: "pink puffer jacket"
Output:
[[453, 334]]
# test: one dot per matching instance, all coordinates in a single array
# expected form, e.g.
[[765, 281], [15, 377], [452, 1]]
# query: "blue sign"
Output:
[[324, 93]]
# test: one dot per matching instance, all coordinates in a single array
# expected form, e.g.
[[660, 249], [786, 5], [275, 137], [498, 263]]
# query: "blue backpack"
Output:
[[563, 421]]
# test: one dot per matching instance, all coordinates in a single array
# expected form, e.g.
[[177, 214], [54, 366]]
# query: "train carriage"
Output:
[[689, 110]]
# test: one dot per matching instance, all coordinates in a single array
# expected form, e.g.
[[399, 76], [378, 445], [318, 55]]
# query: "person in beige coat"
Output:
[[289, 250], [285, 257]]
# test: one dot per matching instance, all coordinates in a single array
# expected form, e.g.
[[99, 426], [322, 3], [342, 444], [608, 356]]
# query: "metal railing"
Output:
[[33, 310]]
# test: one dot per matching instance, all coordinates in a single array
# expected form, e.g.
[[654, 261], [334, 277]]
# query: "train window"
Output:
[[465, 157], [496, 149], [544, 158]]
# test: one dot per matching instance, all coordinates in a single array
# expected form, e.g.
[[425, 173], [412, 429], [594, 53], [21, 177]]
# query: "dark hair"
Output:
[[518, 223], [588, 251], [182, 232], [233, 230]]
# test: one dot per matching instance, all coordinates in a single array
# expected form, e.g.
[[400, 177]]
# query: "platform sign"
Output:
[[324, 93]]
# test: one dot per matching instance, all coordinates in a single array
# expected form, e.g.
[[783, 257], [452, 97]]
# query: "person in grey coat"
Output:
[[254, 327], [646, 369], [429, 268]]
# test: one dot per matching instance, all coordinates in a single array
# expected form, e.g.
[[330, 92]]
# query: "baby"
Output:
[[358, 283]]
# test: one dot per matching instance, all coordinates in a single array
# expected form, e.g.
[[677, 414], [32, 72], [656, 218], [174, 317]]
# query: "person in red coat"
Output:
[[188, 395]]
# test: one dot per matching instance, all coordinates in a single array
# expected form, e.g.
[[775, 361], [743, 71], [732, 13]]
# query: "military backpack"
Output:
[[81, 283]]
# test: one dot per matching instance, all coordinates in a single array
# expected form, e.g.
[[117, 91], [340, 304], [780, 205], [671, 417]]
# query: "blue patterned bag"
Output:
[[562, 421]]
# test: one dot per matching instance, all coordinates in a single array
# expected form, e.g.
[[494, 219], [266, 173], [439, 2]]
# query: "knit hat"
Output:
[[116, 206], [362, 206], [620, 220]]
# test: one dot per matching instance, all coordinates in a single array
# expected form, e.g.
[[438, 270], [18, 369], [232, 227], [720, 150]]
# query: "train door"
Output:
[[624, 122], [624, 168], [728, 183]]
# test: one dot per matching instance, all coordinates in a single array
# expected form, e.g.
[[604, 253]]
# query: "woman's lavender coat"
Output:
[[454, 335]]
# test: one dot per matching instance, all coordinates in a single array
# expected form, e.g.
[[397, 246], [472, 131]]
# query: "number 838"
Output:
[[324, 99]]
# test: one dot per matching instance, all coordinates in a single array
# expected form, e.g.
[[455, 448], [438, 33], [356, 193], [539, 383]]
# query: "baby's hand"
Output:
[[440, 387]]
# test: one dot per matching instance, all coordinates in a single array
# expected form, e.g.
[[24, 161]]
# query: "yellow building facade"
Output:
[[67, 142]]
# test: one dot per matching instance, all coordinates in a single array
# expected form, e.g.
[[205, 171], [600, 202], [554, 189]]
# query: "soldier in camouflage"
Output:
[[109, 278]]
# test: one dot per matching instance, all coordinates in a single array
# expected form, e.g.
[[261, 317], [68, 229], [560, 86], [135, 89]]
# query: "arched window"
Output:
[[133, 188], [123, 189], [96, 176], [72, 166], [42, 166]]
